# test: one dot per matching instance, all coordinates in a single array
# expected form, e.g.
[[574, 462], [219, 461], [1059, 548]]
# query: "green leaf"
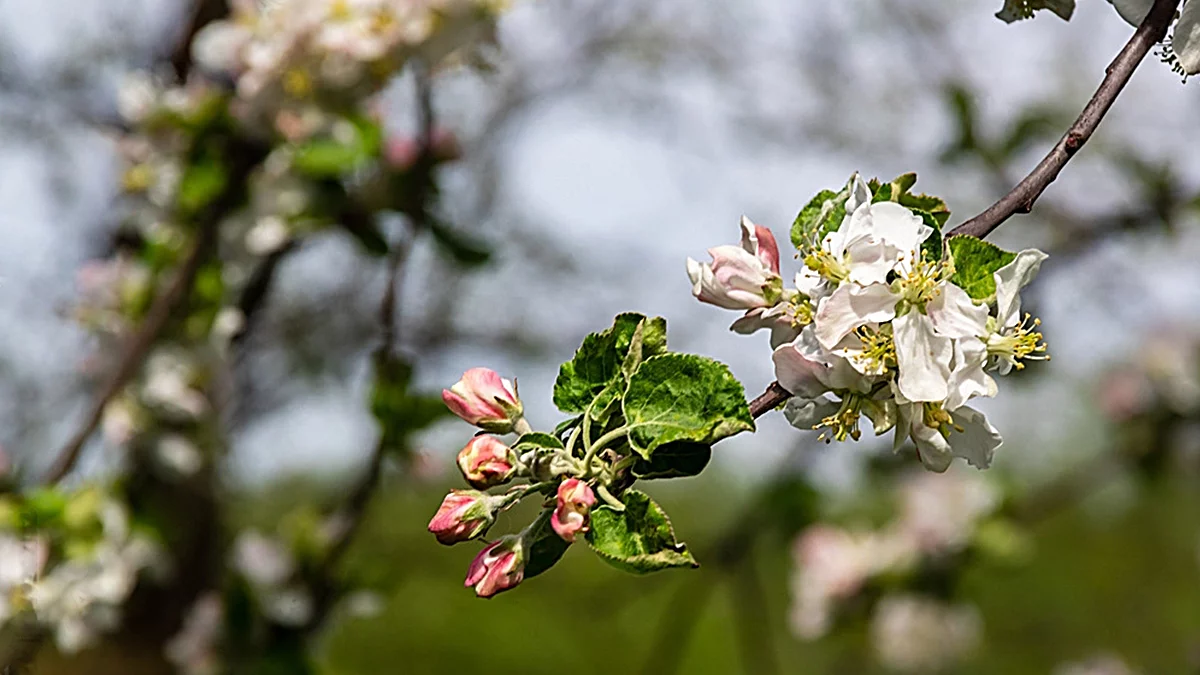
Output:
[[599, 361], [639, 539], [975, 261], [329, 157], [546, 548], [460, 247], [399, 412], [822, 215], [202, 182], [932, 247], [1016, 10], [897, 190], [681, 459], [683, 397], [537, 440]]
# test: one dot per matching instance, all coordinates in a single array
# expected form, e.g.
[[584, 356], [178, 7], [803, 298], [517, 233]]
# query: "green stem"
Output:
[[571, 441], [521, 426], [609, 498], [610, 437], [517, 494]]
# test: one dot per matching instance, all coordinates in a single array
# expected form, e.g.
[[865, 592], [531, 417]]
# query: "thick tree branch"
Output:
[[1022, 197]]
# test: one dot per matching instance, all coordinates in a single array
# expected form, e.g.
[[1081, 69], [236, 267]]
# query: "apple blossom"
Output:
[[575, 501], [486, 462], [497, 568], [485, 399]]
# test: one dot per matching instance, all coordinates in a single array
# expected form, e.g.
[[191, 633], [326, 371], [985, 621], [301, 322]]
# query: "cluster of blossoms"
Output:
[[939, 517], [490, 402], [878, 323], [72, 563], [292, 58]]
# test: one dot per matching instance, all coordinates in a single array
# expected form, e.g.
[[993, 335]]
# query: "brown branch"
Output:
[[768, 400], [243, 158], [1022, 197], [135, 352]]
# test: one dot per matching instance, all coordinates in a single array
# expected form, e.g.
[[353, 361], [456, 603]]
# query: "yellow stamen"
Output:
[[1022, 342]]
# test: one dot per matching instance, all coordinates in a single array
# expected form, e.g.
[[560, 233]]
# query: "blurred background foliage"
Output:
[[607, 142]]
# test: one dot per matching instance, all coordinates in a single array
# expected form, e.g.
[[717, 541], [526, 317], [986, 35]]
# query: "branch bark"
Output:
[[1022, 197]]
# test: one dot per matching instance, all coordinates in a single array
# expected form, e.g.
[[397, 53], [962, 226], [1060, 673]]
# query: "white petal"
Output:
[[1133, 11], [932, 448], [870, 261], [955, 315], [978, 440], [797, 374], [1010, 279], [1186, 42], [860, 194], [810, 283], [967, 378], [851, 306], [805, 413], [923, 358], [898, 226]]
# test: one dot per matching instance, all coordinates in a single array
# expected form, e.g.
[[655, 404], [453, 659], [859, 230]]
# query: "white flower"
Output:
[[263, 561], [1009, 338], [939, 513], [194, 649], [807, 370], [916, 634], [942, 435]]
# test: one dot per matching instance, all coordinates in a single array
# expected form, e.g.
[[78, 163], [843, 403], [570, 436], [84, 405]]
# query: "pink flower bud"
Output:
[[463, 515], [575, 502], [498, 567], [486, 462], [485, 399], [740, 277]]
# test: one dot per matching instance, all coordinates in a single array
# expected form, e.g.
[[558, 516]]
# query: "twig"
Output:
[[134, 353], [768, 400], [258, 287], [1022, 197], [355, 508], [244, 157]]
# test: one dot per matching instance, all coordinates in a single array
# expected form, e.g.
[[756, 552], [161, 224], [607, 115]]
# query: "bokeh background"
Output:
[[610, 141]]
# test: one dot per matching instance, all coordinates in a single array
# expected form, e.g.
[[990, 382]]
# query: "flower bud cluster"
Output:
[[490, 402], [876, 325]]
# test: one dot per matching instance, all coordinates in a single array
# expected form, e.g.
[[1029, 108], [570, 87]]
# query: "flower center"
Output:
[[878, 350], [1022, 342], [826, 264], [844, 422], [936, 417], [923, 282]]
